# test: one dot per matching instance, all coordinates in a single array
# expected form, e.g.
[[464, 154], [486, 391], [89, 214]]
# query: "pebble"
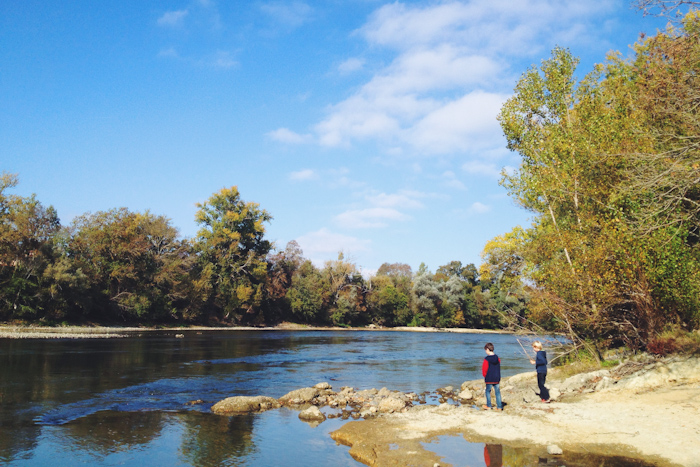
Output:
[[554, 450]]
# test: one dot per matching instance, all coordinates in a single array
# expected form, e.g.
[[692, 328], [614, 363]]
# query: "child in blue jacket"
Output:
[[491, 369], [540, 363]]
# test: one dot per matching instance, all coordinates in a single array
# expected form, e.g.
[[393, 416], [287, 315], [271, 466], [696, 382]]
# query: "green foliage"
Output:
[[609, 167], [133, 264], [232, 254], [27, 249], [306, 294]]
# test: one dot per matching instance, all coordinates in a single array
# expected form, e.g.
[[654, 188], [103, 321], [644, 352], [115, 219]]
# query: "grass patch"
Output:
[[675, 341]]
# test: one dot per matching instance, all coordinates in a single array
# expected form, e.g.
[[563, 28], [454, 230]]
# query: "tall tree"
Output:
[[136, 267], [232, 252], [27, 248]]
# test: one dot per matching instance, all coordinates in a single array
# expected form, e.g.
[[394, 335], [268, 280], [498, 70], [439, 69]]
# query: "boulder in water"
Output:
[[312, 414], [244, 404]]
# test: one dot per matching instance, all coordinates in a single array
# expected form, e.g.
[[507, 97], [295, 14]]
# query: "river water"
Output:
[[129, 401]]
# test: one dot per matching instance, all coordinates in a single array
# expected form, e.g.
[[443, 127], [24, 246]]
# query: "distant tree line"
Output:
[[123, 266]]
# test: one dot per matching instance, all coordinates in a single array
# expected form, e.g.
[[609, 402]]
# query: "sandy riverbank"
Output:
[[105, 332], [651, 415]]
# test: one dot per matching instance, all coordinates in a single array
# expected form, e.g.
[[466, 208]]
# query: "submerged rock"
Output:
[[243, 404]]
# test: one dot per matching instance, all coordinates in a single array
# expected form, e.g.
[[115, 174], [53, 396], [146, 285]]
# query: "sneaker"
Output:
[[545, 401], [500, 410], [486, 407]]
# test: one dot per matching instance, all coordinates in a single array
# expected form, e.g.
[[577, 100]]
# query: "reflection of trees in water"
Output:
[[108, 432], [213, 440], [517, 457], [17, 442], [526, 457]]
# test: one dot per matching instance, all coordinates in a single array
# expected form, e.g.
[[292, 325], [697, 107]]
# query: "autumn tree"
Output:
[[308, 294], [389, 298], [282, 266], [609, 169], [135, 265], [27, 248], [232, 252]]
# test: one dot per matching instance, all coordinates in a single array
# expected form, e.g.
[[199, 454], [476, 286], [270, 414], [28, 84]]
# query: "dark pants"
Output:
[[544, 392]]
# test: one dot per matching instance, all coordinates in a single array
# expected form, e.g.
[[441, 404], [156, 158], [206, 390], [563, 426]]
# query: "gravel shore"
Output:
[[110, 332]]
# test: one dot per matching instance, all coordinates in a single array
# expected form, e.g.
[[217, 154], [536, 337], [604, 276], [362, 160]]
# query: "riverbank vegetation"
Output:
[[128, 267], [610, 171]]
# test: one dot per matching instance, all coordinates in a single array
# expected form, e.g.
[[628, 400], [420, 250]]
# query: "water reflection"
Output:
[[493, 455], [109, 432], [459, 452], [215, 440]]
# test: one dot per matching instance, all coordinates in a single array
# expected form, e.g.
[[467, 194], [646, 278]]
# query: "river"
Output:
[[146, 399]]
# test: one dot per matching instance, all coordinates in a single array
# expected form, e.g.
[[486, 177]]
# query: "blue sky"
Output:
[[362, 126]]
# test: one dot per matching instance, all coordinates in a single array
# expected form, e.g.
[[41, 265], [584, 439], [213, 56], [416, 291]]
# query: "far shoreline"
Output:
[[33, 331]]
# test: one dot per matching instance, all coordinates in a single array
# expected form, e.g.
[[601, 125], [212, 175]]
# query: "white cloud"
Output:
[[172, 18], [351, 65], [404, 199], [303, 175], [223, 59], [448, 73], [450, 180], [468, 123], [479, 208], [369, 218], [322, 245], [482, 168], [169, 53], [287, 136], [291, 15]]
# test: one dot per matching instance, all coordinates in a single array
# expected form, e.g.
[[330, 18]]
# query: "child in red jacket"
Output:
[[491, 369]]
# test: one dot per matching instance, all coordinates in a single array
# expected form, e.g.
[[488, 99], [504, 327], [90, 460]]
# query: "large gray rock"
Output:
[[243, 404]]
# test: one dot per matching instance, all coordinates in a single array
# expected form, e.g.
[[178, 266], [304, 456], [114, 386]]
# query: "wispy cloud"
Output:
[[173, 18], [402, 199], [322, 244], [381, 209], [223, 59], [477, 167], [290, 15], [451, 181], [303, 175], [479, 208], [370, 218], [448, 73], [287, 136], [351, 65]]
